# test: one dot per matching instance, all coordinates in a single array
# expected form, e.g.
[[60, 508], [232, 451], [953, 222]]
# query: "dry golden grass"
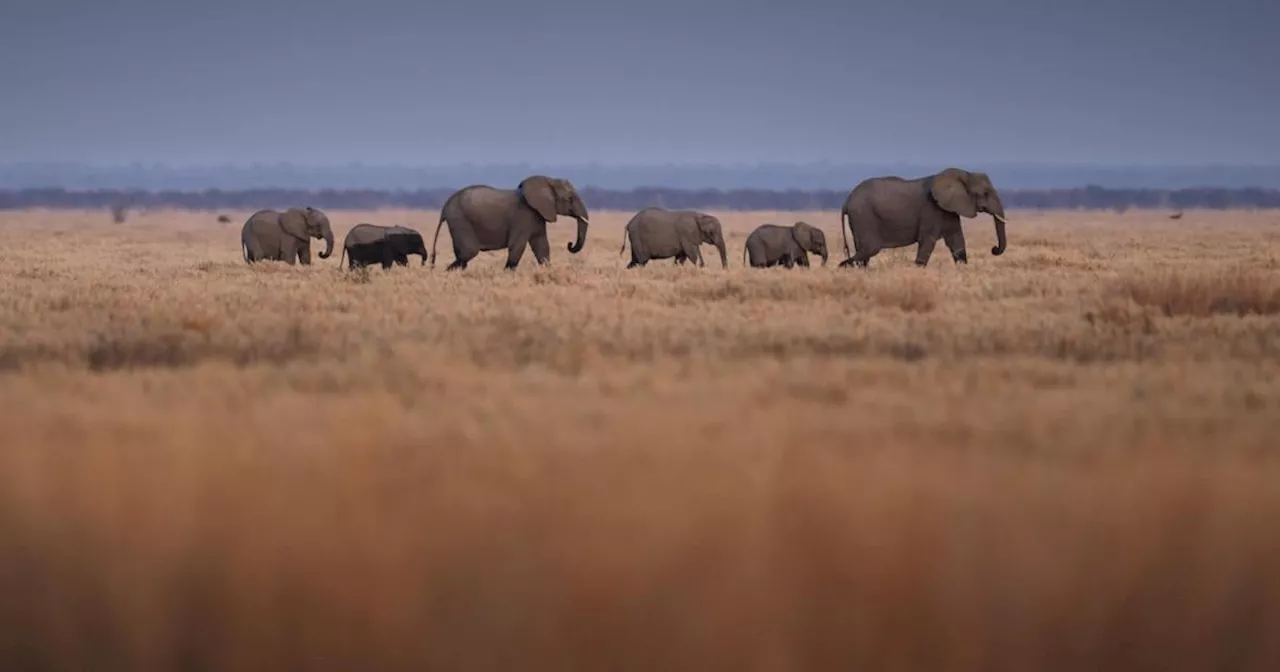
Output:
[[1064, 458]]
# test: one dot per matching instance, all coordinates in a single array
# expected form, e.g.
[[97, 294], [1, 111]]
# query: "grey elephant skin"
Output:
[[367, 244], [657, 233], [890, 212], [483, 218], [269, 235], [773, 245]]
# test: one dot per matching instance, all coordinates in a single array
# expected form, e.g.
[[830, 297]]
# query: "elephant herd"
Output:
[[880, 213]]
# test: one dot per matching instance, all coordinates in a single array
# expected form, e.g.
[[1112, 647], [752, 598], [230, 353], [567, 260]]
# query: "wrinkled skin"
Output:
[[483, 218], [656, 233], [372, 244], [772, 245], [890, 212], [286, 236]]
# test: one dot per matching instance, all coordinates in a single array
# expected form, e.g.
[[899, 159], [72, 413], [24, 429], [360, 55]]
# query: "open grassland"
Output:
[[1064, 458]]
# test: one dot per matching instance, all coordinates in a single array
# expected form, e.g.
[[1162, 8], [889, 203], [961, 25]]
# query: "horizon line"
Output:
[[639, 164]]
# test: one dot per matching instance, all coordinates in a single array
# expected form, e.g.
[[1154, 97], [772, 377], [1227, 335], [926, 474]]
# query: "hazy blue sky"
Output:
[[434, 82]]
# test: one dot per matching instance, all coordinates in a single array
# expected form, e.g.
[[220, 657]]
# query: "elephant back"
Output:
[[262, 217], [364, 233]]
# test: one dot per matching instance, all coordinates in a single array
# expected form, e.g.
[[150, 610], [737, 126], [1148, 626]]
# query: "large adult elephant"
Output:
[[285, 236], [657, 233], [483, 218], [890, 212]]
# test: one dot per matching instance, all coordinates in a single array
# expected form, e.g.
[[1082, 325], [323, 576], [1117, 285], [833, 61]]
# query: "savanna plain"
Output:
[[1063, 458]]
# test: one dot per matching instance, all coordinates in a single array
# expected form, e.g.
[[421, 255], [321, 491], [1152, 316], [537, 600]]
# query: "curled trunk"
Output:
[[576, 247], [998, 218], [328, 243]]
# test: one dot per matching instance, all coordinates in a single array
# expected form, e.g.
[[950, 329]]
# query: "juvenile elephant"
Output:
[[370, 244], [890, 212], [656, 233], [285, 236], [483, 218], [771, 244]]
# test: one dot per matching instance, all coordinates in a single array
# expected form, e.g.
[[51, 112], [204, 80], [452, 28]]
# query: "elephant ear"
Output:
[[803, 234], [294, 223], [706, 224], [951, 194], [539, 193]]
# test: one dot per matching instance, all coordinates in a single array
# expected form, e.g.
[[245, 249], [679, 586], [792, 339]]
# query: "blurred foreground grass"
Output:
[[1062, 458]]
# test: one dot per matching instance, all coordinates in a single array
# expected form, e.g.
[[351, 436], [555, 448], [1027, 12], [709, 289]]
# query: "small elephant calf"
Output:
[[771, 244], [657, 233], [369, 244]]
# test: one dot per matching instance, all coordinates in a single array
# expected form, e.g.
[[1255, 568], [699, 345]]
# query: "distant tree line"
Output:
[[1088, 198]]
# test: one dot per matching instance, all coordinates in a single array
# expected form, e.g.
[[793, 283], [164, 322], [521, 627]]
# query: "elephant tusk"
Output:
[[999, 219]]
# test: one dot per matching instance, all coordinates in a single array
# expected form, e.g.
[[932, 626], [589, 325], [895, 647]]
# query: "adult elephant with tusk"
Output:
[[483, 218], [890, 212], [269, 235]]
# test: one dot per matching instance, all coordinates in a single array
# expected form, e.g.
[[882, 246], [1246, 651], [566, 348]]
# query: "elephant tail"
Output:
[[844, 214], [624, 242], [342, 256], [436, 237], [744, 256]]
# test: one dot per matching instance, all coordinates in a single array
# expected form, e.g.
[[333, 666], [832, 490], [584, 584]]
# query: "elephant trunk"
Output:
[[998, 218], [719, 243], [576, 246], [824, 256], [328, 243]]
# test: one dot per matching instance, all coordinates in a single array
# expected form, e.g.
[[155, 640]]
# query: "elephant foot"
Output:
[[456, 266], [960, 257], [921, 264], [509, 266], [853, 262]]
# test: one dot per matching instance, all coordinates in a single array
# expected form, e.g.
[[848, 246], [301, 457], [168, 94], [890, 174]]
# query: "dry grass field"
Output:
[[1064, 458]]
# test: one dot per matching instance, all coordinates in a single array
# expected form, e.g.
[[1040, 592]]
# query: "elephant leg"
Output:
[[924, 249], [639, 255], [253, 249], [304, 253], [860, 259], [955, 243], [289, 250], [515, 248], [691, 251], [786, 261], [541, 247], [388, 257], [465, 245]]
